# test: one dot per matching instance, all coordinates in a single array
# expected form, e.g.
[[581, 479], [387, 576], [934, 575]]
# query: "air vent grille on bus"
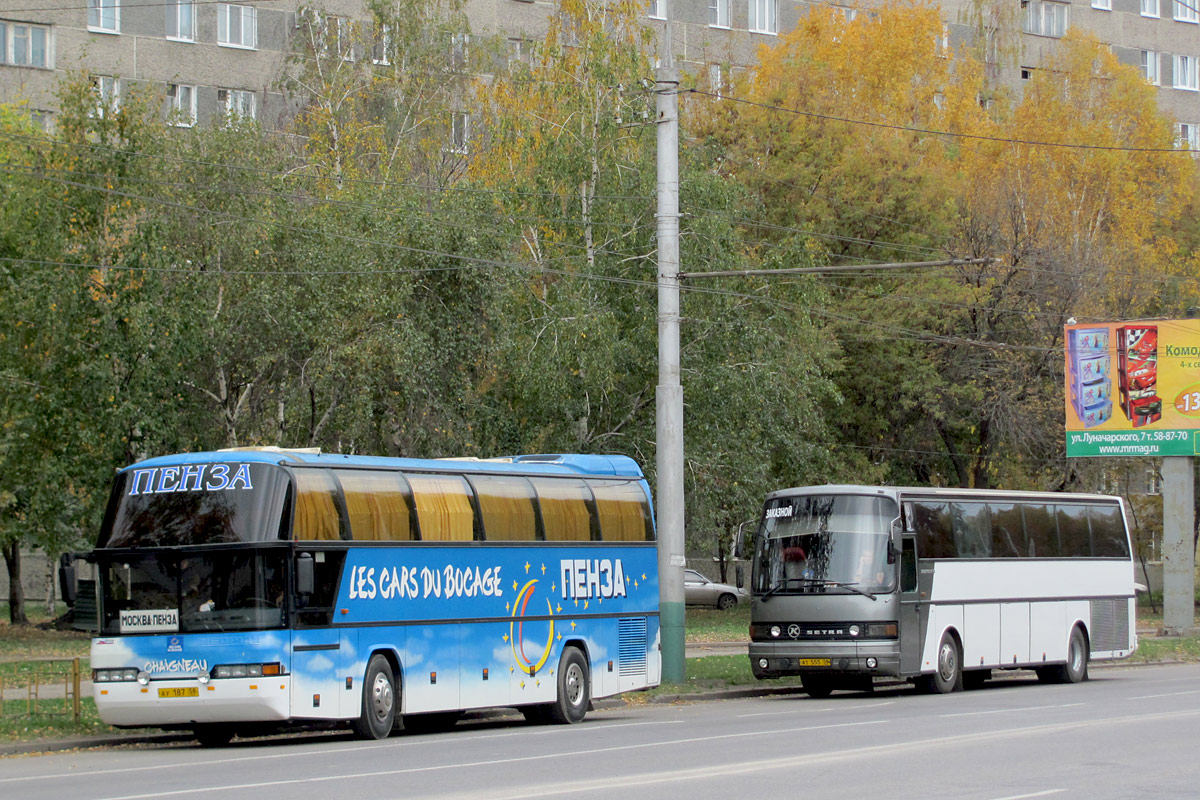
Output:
[[631, 650], [1110, 625]]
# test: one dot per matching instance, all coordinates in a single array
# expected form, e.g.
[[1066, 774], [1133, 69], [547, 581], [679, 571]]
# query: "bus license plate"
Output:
[[811, 662], [182, 691]]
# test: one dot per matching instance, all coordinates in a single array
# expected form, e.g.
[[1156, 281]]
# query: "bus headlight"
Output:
[[872, 663], [855, 630], [776, 631], [143, 678], [111, 675], [881, 630], [763, 663], [246, 670]]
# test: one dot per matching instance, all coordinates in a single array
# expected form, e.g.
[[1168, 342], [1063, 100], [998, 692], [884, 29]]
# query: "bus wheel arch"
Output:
[[947, 674], [380, 698]]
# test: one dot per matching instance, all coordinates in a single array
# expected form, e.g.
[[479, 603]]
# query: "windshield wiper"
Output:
[[782, 584]]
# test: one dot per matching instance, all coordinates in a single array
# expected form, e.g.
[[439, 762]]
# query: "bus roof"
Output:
[[548, 464], [895, 492]]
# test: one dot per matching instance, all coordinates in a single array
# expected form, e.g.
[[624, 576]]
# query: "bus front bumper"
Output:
[[852, 658], [188, 701]]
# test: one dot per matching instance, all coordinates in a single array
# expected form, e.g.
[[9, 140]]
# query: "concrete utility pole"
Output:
[[1179, 578], [669, 398]]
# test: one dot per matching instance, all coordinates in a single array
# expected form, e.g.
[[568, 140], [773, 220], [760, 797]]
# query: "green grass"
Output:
[[711, 625], [712, 673], [53, 722], [1167, 648]]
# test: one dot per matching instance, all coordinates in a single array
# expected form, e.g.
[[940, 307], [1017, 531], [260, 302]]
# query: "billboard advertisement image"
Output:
[[1133, 388]]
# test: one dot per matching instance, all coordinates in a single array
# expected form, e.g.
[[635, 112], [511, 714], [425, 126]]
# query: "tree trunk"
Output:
[[16, 594], [51, 584]]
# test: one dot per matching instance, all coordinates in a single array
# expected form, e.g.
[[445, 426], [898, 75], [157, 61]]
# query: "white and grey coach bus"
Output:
[[939, 586]]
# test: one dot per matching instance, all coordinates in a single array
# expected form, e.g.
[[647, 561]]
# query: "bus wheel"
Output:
[[573, 688], [947, 676], [379, 700], [816, 686], [213, 735], [1076, 668]]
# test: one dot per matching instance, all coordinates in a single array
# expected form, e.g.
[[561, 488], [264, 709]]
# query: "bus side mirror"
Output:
[[891, 552], [66, 578], [304, 574], [740, 575]]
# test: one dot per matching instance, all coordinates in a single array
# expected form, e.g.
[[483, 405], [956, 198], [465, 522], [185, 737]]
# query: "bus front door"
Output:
[[913, 610]]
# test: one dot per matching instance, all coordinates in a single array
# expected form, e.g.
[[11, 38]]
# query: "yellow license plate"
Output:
[[182, 691], [804, 662]]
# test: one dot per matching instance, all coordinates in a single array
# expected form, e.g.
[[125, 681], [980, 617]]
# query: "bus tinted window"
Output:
[[317, 515], [377, 504], [1108, 532], [1008, 531], [444, 511], [565, 505], [1073, 535], [931, 521], [623, 511], [972, 530], [1041, 531], [506, 506]]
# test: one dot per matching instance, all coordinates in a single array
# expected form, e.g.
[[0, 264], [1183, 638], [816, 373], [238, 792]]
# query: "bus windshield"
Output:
[[824, 544], [191, 504], [213, 590]]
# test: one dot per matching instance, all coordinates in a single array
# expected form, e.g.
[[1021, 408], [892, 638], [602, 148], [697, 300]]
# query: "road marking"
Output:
[[1168, 694], [1034, 794], [494, 762], [825, 710], [1009, 710], [318, 750]]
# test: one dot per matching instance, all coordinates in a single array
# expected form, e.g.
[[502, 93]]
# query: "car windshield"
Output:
[[824, 544], [225, 590]]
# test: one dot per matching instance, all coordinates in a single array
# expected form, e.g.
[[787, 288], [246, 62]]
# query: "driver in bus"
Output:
[[869, 571]]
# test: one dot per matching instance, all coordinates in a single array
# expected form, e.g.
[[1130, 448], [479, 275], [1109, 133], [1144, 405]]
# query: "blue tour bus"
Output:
[[247, 590]]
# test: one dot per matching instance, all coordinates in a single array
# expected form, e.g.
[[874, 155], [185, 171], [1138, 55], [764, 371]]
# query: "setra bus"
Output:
[[939, 586], [247, 590]]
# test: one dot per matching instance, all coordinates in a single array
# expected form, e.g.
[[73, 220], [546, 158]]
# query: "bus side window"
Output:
[[1008, 531], [567, 509], [931, 521], [1108, 532], [1041, 531], [317, 517], [1073, 532], [506, 505], [623, 511], [378, 505], [908, 565], [445, 512]]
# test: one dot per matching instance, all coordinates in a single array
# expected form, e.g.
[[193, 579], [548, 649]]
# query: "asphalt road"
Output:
[[1129, 732]]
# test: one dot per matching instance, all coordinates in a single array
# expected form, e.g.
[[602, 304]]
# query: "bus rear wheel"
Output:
[[1076, 668], [574, 689], [379, 700]]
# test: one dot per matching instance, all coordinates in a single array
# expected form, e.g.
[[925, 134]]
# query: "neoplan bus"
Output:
[[243, 590], [939, 586]]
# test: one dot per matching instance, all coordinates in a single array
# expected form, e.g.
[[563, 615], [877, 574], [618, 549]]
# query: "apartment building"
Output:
[[214, 59]]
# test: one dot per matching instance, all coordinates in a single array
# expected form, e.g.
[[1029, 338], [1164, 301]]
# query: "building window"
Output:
[[1187, 137], [239, 104], [718, 13], [460, 131], [716, 79], [1150, 66], [104, 16], [1185, 11], [458, 51], [24, 45], [381, 48], [1026, 73], [658, 9], [1185, 72], [181, 20], [1153, 479], [107, 90], [849, 13], [183, 104], [335, 38], [1044, 18], [519, 51], [1103, 5], [764, 16], [237, 26], [1149, 8]]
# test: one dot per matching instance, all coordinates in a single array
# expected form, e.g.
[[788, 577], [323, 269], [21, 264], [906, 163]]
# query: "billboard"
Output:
[[1133, 388]]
